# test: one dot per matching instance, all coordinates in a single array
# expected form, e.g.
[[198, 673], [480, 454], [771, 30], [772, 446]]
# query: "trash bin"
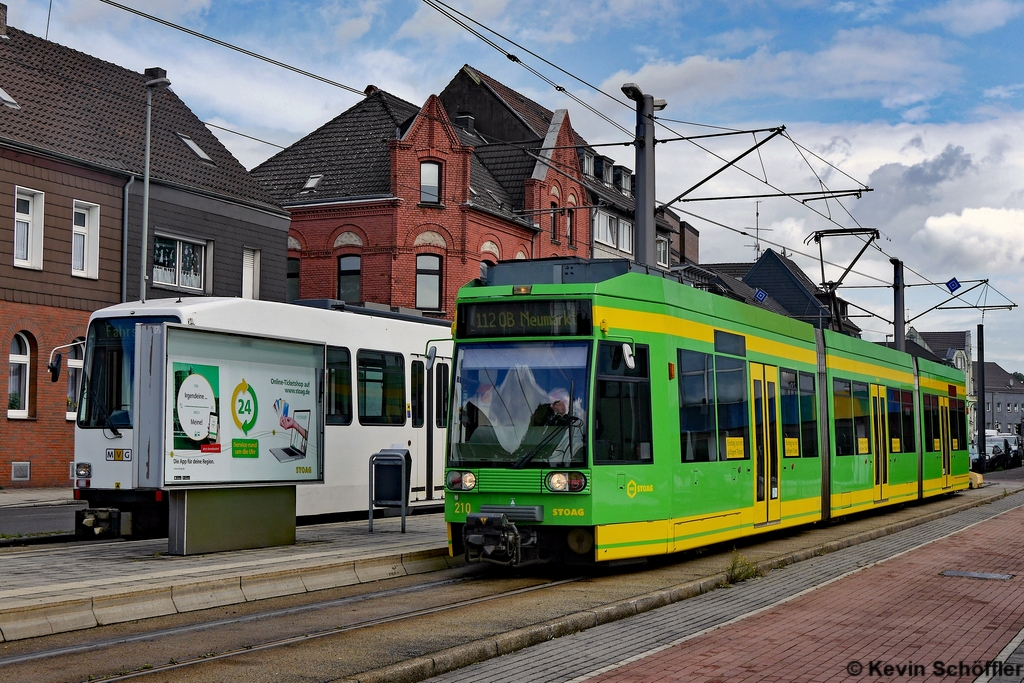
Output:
[[386, 486]]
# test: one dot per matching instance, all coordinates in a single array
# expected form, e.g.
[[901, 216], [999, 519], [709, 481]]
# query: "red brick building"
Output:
[[398, 205]]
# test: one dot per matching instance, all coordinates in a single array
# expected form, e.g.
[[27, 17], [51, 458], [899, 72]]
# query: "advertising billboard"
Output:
[[241, 409]]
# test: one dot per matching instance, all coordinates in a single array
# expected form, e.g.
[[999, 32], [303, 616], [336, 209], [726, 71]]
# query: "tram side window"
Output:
[[896, 443], [808, 416], [698, 440], [932, 431], [733, 408], [381, 385], [790, 395], [339, 386], [862, 417], [622, 427], [842, 409], [909, 434], [417, 399], [958, 430], [441, 391]]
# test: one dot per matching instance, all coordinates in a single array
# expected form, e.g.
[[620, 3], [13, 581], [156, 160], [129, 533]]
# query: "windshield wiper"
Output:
[[560, 423]]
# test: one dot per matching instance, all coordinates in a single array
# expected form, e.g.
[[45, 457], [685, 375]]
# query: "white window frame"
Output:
[[588, 164], [250, 273], [205, 276], [661, 246], [34, 221], [79, 365], [26, 360], [625, 236], [604, 228], [91, 234]]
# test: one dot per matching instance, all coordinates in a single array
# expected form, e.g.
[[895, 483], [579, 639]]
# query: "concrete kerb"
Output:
[[424, 667], [48, 615]]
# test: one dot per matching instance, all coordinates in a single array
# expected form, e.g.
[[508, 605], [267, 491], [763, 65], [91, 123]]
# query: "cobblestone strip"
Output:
[[607, 647]]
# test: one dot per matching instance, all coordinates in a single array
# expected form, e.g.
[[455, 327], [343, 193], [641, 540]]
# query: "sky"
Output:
[[922, 102]]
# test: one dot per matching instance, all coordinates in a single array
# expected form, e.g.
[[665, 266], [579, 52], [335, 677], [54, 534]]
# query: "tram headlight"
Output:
[[461, 481], [562, 482], [83, 470]]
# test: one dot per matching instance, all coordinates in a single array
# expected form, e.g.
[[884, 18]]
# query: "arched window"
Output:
[[554, 221], [18, 383], [76, 360], [348, 278], [428, 282], [430, 182], [570, 226]]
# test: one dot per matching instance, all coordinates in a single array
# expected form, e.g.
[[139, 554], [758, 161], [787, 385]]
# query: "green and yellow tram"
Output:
[[600, 413]]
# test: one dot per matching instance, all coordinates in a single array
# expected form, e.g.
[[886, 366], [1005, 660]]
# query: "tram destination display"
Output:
[[563, 318], [240, 409]]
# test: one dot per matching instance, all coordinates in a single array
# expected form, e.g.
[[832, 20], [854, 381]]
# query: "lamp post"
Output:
[[157, 79], [646, 232]]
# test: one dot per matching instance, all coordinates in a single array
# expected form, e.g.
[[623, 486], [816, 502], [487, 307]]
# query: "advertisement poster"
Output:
[[241, 409]]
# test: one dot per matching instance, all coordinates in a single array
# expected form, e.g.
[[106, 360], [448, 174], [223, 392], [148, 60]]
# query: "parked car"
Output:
[[995, 457], [1012, 446]]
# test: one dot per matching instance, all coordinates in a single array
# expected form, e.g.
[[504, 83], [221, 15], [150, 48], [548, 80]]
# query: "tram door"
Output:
[[945, 436], [880, 422], [764, 391]]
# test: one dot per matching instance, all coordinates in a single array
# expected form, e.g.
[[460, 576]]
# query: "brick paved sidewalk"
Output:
[[900, 613]]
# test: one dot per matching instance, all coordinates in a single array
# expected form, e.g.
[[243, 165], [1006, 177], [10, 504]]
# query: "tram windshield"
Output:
[[106, 400], [520, 405]]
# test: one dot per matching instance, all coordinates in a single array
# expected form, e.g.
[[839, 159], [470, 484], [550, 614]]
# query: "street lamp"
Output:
[[157, 79], [646, 232]]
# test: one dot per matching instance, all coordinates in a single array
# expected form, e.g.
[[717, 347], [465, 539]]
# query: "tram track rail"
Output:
[[174, 664]]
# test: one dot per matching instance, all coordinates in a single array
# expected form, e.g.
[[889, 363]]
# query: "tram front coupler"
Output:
[[493, 538]]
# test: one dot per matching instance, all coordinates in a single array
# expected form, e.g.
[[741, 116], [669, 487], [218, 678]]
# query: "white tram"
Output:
[[379, 393]]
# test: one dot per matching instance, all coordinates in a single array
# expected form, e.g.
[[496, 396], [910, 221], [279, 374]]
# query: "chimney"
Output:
[[370, 89], [3, 21], [466, 120]]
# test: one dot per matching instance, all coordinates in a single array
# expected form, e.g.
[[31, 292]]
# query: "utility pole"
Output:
[[157, 79], [979, 389], [898, 315], [646, 231]]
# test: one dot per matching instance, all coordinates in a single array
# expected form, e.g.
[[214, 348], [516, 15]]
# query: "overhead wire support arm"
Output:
[[830, 287], [951, 298], [818, 194], [729, 164]]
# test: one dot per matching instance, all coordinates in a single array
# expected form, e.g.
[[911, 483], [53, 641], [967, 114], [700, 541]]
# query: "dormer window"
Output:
[[588, 164], [195, 148], [312, 182], [8, 100]]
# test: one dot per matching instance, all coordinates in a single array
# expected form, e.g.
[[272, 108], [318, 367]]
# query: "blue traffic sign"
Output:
[[953, 285], [760, 295]]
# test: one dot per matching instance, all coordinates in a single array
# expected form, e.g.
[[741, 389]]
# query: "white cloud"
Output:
[[970, 17], [983, 235], [1004, 92], [893, 67]]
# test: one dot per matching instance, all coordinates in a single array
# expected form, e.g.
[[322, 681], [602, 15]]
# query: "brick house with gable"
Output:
[[398, 205], [72, 142], [501, 114]]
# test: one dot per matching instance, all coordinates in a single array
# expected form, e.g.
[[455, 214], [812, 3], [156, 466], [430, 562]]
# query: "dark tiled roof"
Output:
[[78, 106], [736, 270], [510, 166], [486, 192], [997, 379], [941, 342], [350, 151]]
